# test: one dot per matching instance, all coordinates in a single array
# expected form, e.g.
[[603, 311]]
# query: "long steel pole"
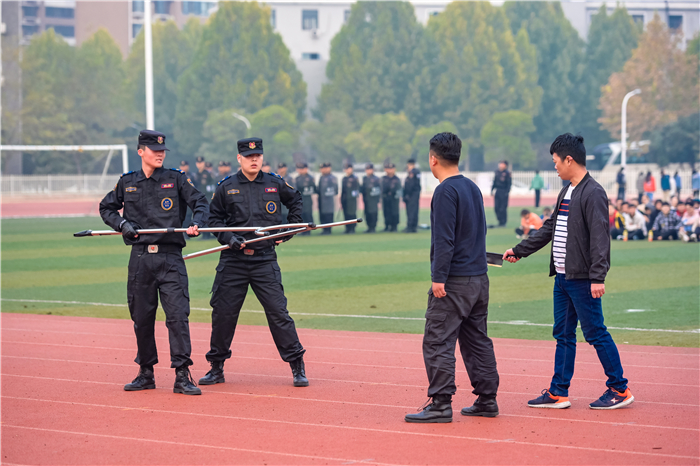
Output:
[[148, 44], [623, 156]]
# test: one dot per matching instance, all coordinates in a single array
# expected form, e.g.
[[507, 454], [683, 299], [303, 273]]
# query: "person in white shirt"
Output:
[[635, 223]]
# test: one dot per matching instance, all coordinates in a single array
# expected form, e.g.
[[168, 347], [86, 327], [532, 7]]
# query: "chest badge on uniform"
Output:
[[232, 191], [270, 190], [130, 189], [271, 207], [167, 185], [166, 203]]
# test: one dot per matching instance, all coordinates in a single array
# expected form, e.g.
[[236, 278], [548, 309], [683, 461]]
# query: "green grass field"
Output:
[[386, 274]]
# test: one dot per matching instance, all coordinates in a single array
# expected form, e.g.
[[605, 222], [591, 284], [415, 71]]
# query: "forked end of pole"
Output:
[[83, 233]]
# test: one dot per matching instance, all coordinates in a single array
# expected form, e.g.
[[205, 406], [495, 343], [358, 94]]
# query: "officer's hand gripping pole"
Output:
[[168, 230], [303, 227]]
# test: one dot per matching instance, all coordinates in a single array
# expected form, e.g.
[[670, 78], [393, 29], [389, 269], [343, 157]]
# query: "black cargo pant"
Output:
[[228, 294], [350, 214], [461, 315], [163, 272], [500, 204], [412, 208], [371, 218]]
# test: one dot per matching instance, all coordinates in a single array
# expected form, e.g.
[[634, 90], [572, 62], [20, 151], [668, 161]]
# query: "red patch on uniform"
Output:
[[167, 185], [270, 190]]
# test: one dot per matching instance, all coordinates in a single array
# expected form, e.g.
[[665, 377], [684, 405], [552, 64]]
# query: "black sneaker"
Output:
[[486, 407], [215, 375], [143, 381], [299, 373], [184, 383], [439, 410]]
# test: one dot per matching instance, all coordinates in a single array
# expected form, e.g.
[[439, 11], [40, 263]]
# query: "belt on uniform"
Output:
[[254, 252], [156, 248]]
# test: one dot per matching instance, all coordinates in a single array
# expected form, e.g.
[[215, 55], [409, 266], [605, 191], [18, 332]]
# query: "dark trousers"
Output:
[[307, 217], [371, 218], [621, 192], [228, 294], [501, 206], [461, 315], [520, 231], [666, 234], [163, 273], [391, 213], [350, 214], [573, 303], [636, 234], [412, 208], [537, 198], [616, 232], [326, 218]]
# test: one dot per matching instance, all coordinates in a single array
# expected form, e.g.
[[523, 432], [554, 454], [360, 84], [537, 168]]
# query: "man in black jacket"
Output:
[[580, 260], [411, 196], [349, 195], [371, 195], [501, 185]]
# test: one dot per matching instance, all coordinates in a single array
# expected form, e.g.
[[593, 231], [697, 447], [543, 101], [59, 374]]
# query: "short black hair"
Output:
[[505, 162], [411, 162], [665, 204], [447, 147], [142, 147], [537, 172], [625, 203], [524, 212], [569, 145]]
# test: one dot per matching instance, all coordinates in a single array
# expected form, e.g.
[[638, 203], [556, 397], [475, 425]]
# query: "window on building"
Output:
[[30, 11], [273, 19], [309, 19], [433, 13], [162, 7], [638, 20], [54, 12], [28, 30], [347, 16], [135, 29], [137, 6], [310, 56], [675, 22], [65, 31], [197, 8]]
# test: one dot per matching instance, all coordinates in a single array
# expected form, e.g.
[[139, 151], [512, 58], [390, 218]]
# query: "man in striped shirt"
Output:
[[580, 260]]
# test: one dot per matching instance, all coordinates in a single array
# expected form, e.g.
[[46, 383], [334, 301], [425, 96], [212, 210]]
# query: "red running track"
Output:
[[63, 403]]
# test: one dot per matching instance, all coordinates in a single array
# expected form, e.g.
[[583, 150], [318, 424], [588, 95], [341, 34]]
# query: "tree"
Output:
[[676, 143], [173, 52], [611, 40], [278, 127], [326, 138], [221, 133], [693, 47], [371, 62], [382, 137], [560, 53], [240, 63], [667, 76], [472, 67], [506, 137], [420, 144]]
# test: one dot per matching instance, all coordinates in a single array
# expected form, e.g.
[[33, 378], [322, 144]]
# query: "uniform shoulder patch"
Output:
[[276, 175], [223, 180], [127, 173], [177, 170]]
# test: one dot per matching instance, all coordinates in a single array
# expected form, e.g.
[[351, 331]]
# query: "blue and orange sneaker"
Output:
[[612, 399], [547, 400]]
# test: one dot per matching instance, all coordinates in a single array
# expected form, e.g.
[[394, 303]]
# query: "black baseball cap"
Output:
[[369, 166], [200, 159], [250, 146], [154, 140], [411, 161], [302, 165], [184, 163], [348, 165], [389, 165], [326, 165], [281, 165], [222, 163], [266, 163], [208, 165]]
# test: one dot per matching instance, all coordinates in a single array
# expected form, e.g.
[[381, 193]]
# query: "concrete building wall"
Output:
[[111, 15]]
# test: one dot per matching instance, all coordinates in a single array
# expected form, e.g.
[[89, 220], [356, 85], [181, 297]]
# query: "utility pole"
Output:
[[623, 157]]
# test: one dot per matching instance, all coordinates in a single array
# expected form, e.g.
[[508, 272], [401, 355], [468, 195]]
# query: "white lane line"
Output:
[[353, 316], [316, 333], [219, 390], [326, 426], [179, 443], [548, 361], [389, 384]]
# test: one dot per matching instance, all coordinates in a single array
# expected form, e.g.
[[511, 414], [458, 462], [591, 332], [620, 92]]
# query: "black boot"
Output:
[[215, 375], [486, 407], [143, 381], [184, 383], [439, 410], [298, 372]]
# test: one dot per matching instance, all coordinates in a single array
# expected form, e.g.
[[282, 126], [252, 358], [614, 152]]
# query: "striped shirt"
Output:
[[560, 232]]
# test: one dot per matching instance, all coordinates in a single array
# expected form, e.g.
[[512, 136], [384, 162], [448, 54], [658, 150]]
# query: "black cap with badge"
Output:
[[154, 140], [369, 166], [302, 165], [250, 146]]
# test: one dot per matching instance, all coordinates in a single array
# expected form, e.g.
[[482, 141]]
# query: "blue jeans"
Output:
[[573, 303]]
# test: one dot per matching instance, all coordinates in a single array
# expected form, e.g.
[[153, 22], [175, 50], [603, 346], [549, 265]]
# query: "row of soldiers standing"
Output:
[[374, 190]]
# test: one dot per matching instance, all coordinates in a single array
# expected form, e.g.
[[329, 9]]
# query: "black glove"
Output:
[[192, 224], [286, 238], [236, 242], [128, 230]]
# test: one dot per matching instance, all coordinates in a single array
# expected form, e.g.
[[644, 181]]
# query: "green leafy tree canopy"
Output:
[[506, 137], [382, 137]]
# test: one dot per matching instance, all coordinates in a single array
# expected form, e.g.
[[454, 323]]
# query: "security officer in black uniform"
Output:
[[306, 184], [251, 198], [348, 197], [411, 196], [391, 195], [501, 184], [371, 195], [156, 197], [327, 190], [282, 173]]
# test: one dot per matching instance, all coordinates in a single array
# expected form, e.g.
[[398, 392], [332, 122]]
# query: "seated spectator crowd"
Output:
[[660, 220]]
